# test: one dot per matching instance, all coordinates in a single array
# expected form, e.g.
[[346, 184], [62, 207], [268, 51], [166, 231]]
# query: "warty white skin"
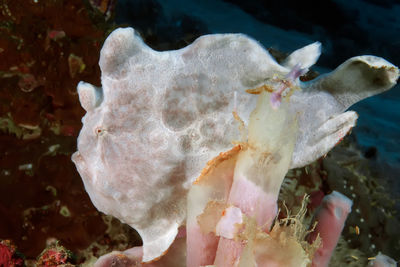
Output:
[[160, 116]]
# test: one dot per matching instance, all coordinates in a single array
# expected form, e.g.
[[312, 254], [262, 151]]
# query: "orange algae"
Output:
[[214, 163]]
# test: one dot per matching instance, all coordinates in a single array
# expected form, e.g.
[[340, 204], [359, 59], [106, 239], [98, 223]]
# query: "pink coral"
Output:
[[330, 218], [8, 255], [54, 255]]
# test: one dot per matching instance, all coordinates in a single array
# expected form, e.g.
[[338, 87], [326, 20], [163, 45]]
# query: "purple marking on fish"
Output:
[[295, 72]]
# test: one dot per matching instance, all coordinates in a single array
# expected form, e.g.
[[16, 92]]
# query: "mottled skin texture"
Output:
[[160, 116]]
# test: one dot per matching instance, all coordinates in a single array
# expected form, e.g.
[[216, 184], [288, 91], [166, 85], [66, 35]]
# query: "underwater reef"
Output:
[[47, 217]]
